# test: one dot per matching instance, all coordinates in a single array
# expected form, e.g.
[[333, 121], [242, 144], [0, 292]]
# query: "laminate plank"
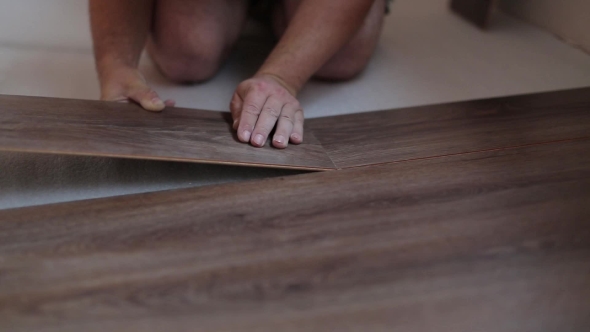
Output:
[[82, 127], [439, 130], [487, 241], [477, 12]]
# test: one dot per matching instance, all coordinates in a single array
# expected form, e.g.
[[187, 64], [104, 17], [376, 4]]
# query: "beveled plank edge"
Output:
[[510, 147], [310, 122], [159, 192], [176, 159]]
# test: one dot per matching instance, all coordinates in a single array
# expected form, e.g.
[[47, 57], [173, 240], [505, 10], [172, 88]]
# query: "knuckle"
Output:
[[151, 93], [280, 92], [252, 109], [244, 125], [261, 86], [263, 130], [272, 112], [295, 107], [234, 104], [288, 117]]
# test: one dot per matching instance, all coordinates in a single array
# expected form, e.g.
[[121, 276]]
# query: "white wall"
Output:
[[568, 19]]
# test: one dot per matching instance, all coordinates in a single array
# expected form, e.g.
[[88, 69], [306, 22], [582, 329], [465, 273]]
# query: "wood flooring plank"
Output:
[[82, 127], [488, 241], [439, 130], [477, 12]]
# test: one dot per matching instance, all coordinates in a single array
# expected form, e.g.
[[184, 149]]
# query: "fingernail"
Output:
[[157, 102], [246, 135], [235, 124], [295, 137], [258, 139], [279, 139]]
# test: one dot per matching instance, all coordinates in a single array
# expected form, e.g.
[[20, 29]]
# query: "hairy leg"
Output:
[[352, 59], [190, 39]]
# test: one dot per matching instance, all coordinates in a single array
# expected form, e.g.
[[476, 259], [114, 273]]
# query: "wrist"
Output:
[[289, 84], [108, 65], [108, 74]]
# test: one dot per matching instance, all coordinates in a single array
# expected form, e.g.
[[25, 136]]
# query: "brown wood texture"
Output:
[[447, 129], [488, 241], [477, 12], [32, 124], [82, 127]]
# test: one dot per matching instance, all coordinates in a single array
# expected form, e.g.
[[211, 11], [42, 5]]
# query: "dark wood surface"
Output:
[[31, 124], [487, 241], [477, 12], [82, 127], [447, 129]]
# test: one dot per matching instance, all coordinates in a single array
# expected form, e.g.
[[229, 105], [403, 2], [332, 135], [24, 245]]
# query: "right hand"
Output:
[[127, 84]]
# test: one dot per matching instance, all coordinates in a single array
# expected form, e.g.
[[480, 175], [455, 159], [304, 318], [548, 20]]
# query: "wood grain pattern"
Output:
[[30, 124], [489, 241], [462, 127], [477, 12], [82, 127]]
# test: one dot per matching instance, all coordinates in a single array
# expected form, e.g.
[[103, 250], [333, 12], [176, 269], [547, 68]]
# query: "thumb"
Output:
[[147, 98], [138, 92]]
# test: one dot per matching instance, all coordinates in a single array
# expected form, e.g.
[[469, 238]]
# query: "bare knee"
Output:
[[354, 57], [345, 66], [187, 64], [190, 40], [188, 68]]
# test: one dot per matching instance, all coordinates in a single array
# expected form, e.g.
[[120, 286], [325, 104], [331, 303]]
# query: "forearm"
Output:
[[119, 31], [318, 30]]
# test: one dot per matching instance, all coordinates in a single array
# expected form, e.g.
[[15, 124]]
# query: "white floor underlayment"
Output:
[[426, 56]]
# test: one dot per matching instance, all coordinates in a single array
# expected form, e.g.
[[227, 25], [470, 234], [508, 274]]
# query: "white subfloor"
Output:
[[426, 56]]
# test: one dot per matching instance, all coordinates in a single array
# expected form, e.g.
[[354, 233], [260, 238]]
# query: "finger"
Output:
[[110, 96], [251, 108], [285, 126], [147, 98], [297, 134], [235, 106], [267, 120], [170, 103]]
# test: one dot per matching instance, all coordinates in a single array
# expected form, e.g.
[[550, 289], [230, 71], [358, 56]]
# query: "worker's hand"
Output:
[[260, 103], [124, 84]]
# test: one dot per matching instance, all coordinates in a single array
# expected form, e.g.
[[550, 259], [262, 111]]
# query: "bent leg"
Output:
[[190, 39], [352, 59]]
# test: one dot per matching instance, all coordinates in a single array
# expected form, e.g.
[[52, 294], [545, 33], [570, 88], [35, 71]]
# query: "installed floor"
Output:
[[486, 241], [426, 56]]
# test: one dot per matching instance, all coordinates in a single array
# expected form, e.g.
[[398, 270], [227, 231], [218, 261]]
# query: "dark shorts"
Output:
[[388, 6], [262, 9]]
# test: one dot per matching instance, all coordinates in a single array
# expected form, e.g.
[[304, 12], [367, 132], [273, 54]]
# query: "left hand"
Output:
[[260, 103]]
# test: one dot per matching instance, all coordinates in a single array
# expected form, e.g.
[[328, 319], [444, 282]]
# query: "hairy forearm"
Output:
[[317, 31], [119, 31]]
